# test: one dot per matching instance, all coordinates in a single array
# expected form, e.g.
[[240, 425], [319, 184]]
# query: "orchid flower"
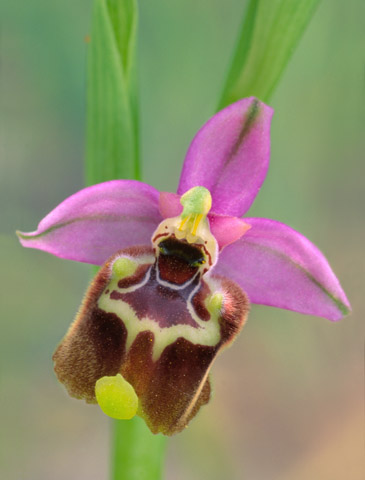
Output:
[[178, 273]]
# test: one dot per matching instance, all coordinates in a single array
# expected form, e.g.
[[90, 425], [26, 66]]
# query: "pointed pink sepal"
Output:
[[276, 265], [97, 221], [230, 156]]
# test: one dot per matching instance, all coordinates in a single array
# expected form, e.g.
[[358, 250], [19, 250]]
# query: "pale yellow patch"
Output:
[[116, 397]]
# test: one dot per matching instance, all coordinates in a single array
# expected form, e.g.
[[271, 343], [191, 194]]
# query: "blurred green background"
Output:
[[288, 402]]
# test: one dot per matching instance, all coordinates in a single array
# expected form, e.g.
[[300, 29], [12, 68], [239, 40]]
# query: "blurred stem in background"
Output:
[[270, 31], [112, 139]]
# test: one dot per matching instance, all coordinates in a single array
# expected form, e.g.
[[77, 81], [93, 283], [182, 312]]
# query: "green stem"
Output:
[[113, 152], [137, 453]]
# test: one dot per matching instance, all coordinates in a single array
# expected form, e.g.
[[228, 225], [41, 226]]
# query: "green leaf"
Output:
[[138, 454], [112, 147], [270, 32]]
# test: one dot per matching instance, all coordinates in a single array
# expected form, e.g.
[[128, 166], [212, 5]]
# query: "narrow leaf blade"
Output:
[[112, 120], [269, 35]]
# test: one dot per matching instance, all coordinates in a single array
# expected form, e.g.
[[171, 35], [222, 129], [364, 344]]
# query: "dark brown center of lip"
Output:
[[178, 261], [182, 251]]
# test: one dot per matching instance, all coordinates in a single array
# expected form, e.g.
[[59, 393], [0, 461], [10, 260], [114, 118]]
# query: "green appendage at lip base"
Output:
[[168, 367]]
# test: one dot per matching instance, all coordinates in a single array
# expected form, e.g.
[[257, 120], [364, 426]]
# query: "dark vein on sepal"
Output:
[[108, 218], [339, 304], [248, 123]]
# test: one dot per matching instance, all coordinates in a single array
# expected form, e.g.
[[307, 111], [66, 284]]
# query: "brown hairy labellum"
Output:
[[152, 316]]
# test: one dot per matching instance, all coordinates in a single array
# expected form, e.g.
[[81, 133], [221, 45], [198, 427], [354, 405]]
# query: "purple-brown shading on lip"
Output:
[[198, 302], [160, 303], [171, 390]]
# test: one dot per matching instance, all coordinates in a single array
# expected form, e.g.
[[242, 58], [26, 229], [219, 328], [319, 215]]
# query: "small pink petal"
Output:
[[169, 204], [227, 229], [277, 266], [230, 156], [97, 221]]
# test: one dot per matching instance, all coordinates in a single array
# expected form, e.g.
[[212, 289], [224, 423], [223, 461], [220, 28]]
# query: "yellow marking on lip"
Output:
[[116, 397], [208, 332]]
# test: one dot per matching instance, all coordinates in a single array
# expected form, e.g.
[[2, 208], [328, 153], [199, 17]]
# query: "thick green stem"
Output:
[[137, 453]]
